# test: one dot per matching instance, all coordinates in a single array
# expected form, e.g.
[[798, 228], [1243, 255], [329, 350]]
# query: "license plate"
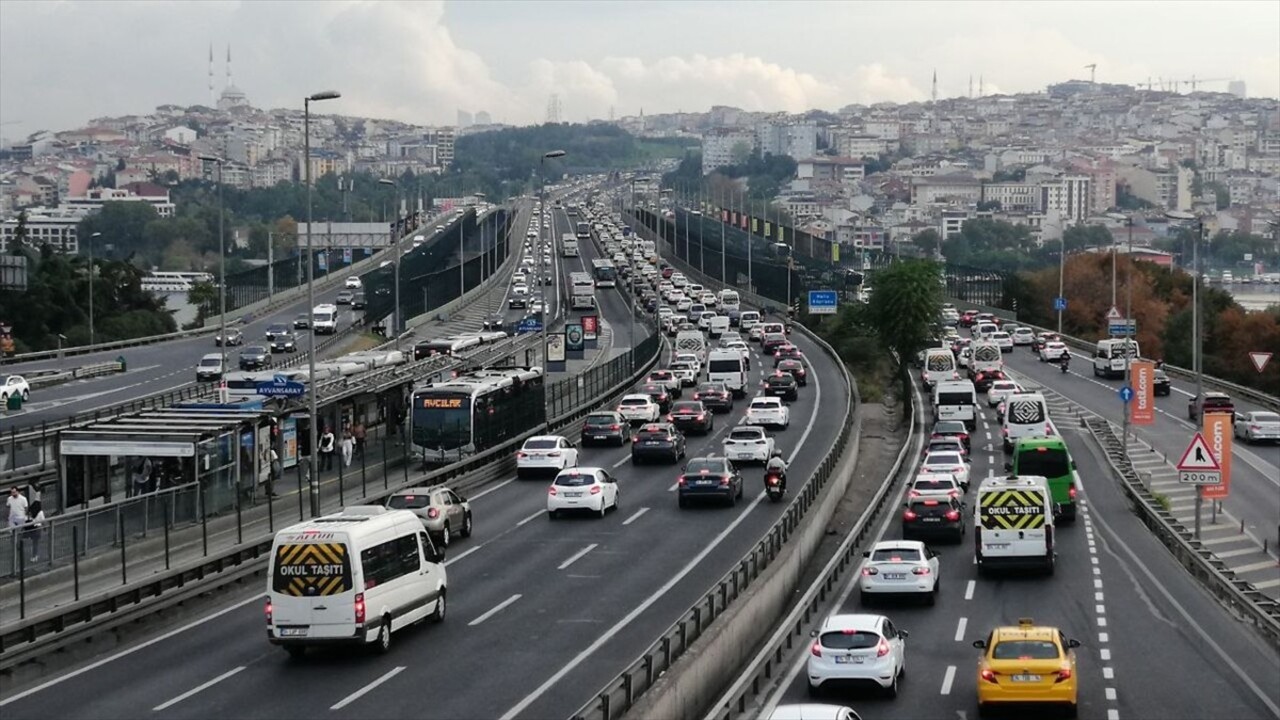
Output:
[[705, 483], [293, 632], [850, 660], [931, 519], [599, 437], [895, 576], [997, 546], [573, 494], [1026, 678]]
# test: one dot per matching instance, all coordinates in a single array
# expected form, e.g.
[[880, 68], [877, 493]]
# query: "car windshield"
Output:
[[895, 555], [1266, 417], [711, 388], [850, 640], [539, 444], [211, 362], [949, 427], [574, 479], [1025, 650], [408, 502], [698, 465], [764, 405], [943, 459], [780, 380], [255, 350], [601, 420], [653, 389]]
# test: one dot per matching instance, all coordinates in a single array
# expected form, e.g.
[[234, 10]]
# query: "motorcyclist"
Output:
[[1064, 360], [776, 466]]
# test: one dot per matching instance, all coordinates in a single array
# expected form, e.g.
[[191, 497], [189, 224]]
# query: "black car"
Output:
[[284, 342], [982, 380], [715, 396], [254, 357], [709, 477], [357, 300], [796, 368], [495, 322], [302, 322], [781, 384], [689, 415], [1160, 384], [659, 393], [277, 328], [604, 427], [927, 518], [657, 440], [951, 429]]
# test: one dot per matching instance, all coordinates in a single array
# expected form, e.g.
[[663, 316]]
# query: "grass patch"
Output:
[[365, 341], [1162, 500]]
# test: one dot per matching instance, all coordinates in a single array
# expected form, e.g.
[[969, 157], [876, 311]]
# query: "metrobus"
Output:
[[474, 411], [605, 273], [583, 231], [582, 291]]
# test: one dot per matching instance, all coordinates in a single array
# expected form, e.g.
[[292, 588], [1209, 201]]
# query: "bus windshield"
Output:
[[441, 421]]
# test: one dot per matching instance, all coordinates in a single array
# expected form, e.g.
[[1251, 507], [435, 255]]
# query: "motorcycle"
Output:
[[1064, 363], [774, 486]]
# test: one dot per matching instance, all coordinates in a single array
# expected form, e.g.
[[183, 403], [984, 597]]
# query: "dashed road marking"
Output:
[[495, 610]]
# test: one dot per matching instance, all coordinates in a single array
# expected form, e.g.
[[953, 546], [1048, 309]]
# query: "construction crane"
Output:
[[1174, 85], [1093, 68]]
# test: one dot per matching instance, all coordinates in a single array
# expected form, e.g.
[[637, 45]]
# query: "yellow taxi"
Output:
[[1027, 663]]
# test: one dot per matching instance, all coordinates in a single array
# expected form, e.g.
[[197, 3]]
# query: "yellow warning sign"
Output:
[[308, 570], [1012, 510]]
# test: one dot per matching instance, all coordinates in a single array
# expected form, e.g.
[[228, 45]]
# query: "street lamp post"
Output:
[[542, 246], [222, 267], [1062, 271], [1128, 316], [312, 464], [1196, 325], [395, 248], [91, 274]]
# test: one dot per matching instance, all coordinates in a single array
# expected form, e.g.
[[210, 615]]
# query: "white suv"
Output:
[[638, 409], [545, 453], [768, 411]]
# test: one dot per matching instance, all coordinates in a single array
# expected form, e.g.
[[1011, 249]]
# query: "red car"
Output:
[[968, 317]]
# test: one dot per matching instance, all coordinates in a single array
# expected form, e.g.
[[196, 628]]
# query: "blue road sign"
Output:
[[1126, 394], [823, 302], [528, 325], [1059, 304], [1123, 328], [281, 387]]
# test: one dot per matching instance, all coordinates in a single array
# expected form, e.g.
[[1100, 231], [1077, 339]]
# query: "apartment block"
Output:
[[1012, 195], [718, 147], [1068, 195]]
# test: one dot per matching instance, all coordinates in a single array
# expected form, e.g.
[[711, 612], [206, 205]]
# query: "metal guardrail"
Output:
[[1246, 601], [49, 631], [619, 694]]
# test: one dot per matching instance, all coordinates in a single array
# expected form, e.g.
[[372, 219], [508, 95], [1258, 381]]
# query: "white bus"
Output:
[[582, 291], [168, 281], [606, 274], [568, 245]]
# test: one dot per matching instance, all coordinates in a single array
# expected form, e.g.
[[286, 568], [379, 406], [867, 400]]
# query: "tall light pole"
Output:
[[312, 457], [1062, 272], [542, 246], [395, 248], [1196, 324], [91, 274], [1128, 314], [222, 266]]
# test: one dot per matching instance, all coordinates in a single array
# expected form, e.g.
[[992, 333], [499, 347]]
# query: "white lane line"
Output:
[[968, 590], [622, 462], [495, 610], [1111, 694], [1102, 637], [1113, 714], [125, 653], [1102, 622], [577, 556], [1098, 597], [1100, 609], [458, 557], [486, 491], [197, 689], [673, 487], [365, 690], [531, 517], [1108, 673], [947, 679], [964, 622], [1104, 654], [635, 516]]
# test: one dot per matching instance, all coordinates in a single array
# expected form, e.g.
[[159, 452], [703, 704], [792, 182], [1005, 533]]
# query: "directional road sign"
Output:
[[280, 386], [1126, 394], [1259, 360], [823, 302], [1123, 328], [1198, 465], [1059, 304], [528, 325]]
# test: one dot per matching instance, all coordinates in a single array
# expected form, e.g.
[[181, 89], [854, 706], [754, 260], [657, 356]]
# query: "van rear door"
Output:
[[312, 587]]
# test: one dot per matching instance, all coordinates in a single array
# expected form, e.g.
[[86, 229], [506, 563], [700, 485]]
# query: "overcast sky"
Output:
[[62, 62]]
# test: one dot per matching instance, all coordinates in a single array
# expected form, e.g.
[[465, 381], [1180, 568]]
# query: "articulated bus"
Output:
[[605, 273], [474, 411]]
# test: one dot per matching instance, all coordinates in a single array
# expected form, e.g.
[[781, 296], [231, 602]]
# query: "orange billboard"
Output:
[[1217, 432], [1142, 408]]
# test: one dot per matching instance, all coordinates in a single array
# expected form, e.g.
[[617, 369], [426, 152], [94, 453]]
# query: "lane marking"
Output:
[[365, 690], [1111, 694], [495, 610], [531, 517], [1108, 673], [456, 558], [622, 462], [197, 689], [1104, 654], [635, 516], [576, 556], [1113, 714], [1102, 637], [486, 491], [964, 622], [968, 590], [673, 487], [947, 679], [1100, 609]]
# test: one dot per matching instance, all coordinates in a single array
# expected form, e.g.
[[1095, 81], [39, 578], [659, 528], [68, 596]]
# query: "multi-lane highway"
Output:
[[541, 614], [1154, 644]]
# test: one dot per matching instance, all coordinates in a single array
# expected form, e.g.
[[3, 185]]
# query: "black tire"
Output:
[[467, 526], [1072, 710], [681, 502], [891, 692], [551, 514], [932, 598], [984, 710], [437, 615], [604, 510], [446, 536], [383, 644], [26, 395]]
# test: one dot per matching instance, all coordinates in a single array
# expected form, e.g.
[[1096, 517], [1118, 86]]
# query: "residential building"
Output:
[[1068, 195], [58, 230], [795, 139], [93, 200], [1012, 195], [954, 187], [718, 147], [1169, 189]]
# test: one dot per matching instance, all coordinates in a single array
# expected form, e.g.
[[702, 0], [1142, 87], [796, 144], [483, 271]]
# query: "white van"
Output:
[[956, 400], [748, 318], [984, 330], [719, 325], [729, 300], [1109, 356], [691, 341], [729, 367], [939, 365], [985, 356], [352, 577], [1026, 415], [1014, 523], [324, 318]]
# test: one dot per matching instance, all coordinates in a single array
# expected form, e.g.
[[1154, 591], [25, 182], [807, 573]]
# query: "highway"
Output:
[[162, 367], [545, 612], [1154, 644]]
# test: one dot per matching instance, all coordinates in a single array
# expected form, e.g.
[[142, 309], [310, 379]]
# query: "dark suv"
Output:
[[1209, 402], [657, 440], [927, 518], [716, 396], [604, 427], [781, 384], [709, 477]]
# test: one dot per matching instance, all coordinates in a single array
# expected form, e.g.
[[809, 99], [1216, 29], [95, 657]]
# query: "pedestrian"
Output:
[[327, 446], [357, 432], [141, 476], [348, 447], [274, 473], [33, 529], [17, 508]]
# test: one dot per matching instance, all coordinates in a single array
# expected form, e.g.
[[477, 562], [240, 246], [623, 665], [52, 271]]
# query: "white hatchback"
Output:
[[589, 489], [1053, 351], [748, 444], [768, 411], [947, 462], [639, 409], [545, 454], [934, 485], [857, 650], [1001, 389], [1003, 340], [899, 567], [353, 283]]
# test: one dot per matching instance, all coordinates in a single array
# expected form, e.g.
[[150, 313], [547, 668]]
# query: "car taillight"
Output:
[[920, 571], [914, 493], [680, 481], [1004, 432], [953, 515], [554, 454], [359, 608], [270, 611], [882, 648], [988, 676], [551, 490], [522, 455], [669, 417], [619, 408], [816, 649], [1071, 492], [1255, 428], [433, 513], [1063, 674], [595, 489], [615, 427], [869, 571], [909, 515], [724, 482], [1048, 428], [702, 416]]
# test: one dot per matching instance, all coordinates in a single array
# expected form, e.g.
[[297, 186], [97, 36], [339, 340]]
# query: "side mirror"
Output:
[[980, 644], [1073, 643], [866, 553], [813, 633], [904, 634]]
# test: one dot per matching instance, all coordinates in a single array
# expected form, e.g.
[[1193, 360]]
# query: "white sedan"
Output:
[[814, 711], [639, 409], [748, 444], [1257, 426], [545, 454], [683, 304], [857, 649], [15, 385], [935, 485], [353, 283], [947, 462], [899, 567], [768, 411], [589, 489], [1053, 351], [999, 390]]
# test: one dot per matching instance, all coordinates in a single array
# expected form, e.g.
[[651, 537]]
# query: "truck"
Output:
[[568, 245]]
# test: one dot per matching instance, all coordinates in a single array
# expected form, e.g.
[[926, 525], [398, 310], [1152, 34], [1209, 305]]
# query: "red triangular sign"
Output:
[[1198, 456], [1114, 313], [1260, 360]]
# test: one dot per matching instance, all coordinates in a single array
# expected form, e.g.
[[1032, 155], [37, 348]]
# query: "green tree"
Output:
[[740, 153], [1081, 237], [927, 240], [906, 305], [204, 296], [122, 224]]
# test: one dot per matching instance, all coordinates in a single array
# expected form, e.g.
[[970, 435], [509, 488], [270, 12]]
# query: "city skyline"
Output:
[[428, 60]]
